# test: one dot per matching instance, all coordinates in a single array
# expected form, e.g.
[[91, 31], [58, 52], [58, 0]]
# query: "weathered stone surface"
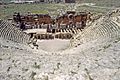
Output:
[[97, 59]]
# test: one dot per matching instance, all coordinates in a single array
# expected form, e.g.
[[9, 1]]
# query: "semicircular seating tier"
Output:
[[10, 32], [102, 28]]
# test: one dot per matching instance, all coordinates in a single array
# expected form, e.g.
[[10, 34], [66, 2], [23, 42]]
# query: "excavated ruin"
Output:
[[93, 53]]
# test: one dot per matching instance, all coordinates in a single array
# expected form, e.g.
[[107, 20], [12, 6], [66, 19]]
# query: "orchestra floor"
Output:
[[53, 45]]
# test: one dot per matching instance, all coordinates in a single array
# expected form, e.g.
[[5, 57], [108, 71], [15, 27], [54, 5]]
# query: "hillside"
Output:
[[6, 1], [102, 2], [98, 2]]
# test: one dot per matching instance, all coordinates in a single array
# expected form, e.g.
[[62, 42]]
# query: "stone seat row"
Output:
[[10, 32], [104, 29]]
